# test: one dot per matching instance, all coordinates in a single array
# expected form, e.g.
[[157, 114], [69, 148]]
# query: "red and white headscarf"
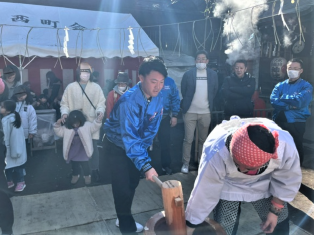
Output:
[[246, 152]]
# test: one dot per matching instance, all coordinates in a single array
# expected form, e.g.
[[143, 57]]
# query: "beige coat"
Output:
[[85, 133], [74, 99]]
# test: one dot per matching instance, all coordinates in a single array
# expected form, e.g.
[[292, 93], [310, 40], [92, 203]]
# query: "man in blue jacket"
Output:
[[169, 119], [199, 86], [291, 99], [130, 130]]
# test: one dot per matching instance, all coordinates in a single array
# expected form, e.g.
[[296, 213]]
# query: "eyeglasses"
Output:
[[294, 68]]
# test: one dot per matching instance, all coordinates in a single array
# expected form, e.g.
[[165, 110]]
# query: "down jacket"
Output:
[[29, 118], [85, 133], [74, 99], [14, 142], [237, 93]]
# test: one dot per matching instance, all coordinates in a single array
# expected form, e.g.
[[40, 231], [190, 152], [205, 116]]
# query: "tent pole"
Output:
[[29, 61], [20, 68]]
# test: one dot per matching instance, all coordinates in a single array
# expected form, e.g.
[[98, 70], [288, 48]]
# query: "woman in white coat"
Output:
[[16, 155], [86, 96]]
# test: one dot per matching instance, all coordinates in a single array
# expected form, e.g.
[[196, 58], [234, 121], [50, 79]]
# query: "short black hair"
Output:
[[152, 63], [262, 138], [241, 62], [75, 116], [201, 52], [297, 60]]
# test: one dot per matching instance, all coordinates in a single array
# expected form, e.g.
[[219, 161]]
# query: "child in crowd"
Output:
[[14, 140], [77, 142], [26, 110], [42, 103]]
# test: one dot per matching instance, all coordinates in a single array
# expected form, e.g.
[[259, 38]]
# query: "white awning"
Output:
[[32, 30]]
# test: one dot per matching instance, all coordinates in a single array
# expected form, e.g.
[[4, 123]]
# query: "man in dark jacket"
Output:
[[199, 86], [237, 91]]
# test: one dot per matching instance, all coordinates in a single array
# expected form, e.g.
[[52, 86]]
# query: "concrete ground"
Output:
[[90, 210], [51, 205]]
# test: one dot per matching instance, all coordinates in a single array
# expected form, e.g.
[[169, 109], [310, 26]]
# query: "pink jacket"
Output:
[[85, 133]]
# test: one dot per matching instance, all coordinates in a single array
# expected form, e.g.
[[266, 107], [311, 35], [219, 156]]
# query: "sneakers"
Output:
[[75, 178], [20, 187], [167, 170], [185, 168], [10, 184], [88, 179], [139, 227]]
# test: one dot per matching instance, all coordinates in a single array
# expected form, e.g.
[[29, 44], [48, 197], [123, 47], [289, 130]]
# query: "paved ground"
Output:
[[47, 177], [90, 210]]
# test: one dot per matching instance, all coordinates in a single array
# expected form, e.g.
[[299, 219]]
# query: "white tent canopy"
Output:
[[32, 30]]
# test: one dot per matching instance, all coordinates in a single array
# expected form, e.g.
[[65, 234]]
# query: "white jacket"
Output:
[[218, 177], [29, 118], [85, 133], [74, 99], [14, 141]]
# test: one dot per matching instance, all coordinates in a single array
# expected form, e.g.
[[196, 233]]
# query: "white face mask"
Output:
[[84, 76], [201, 66], [121, 88], [293, 74]]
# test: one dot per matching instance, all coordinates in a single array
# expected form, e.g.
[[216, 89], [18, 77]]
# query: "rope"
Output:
[[297, 7], [139, 30], [103, 58], [82, 41], [277, 40], [235, 31], [26, 46], [178, 38], [160, 43], [2, 47], [218, 35], [58, 45], [254, 28]]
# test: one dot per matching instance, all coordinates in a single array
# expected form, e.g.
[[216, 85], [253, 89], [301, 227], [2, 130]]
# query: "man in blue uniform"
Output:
[[291, 99], [171, 109], [130, 130]]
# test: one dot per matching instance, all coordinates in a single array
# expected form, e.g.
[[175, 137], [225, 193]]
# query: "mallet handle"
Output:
[[157, 181]]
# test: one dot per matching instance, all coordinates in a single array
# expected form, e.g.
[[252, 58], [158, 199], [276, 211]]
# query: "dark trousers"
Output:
[[94, 161], [18, 170], [165, 141], [124, 180], [296, 130], [6, 213], [76, 168]]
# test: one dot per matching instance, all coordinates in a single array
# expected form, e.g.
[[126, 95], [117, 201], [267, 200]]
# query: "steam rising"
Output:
[[240, 27]]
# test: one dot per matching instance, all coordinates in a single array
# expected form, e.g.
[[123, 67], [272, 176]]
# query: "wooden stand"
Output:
[[173, 201]]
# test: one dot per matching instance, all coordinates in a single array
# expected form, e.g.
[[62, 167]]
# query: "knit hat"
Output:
[[246, 152], [122, 78]]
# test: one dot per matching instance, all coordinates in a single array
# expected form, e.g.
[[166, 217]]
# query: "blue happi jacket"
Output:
[[293, 99], [171, 97], [133, 124]]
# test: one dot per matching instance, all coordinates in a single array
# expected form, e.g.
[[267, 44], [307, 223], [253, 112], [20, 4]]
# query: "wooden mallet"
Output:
[[173, 201]]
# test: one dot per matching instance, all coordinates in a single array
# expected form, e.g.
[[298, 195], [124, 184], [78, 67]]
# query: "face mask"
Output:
[[84, 76], [121, 88], [292, 74], [201, 66]]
